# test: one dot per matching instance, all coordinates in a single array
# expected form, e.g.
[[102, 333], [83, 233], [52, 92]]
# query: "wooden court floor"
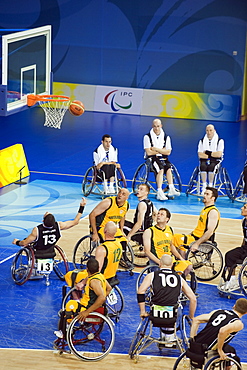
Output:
[[228, 236]]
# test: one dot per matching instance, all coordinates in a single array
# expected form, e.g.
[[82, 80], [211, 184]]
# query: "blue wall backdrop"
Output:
[[182, 45]]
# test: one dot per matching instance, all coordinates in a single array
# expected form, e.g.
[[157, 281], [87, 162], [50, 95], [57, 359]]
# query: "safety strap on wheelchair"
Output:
[[196, 354]]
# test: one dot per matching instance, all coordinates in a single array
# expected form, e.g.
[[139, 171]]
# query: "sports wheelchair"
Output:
[[89, 340], [93, 182], [238, 192], [85, 248], [150, 331], [142, 175], [207, 261], [213, 363], [222, 182], [114, 301], [240, 288], [30, 264]]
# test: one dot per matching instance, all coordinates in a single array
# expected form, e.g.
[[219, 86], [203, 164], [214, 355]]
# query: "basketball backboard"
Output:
[[26, 67]]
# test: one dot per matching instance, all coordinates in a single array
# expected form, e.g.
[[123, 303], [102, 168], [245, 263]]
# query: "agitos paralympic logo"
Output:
[[112, 97]]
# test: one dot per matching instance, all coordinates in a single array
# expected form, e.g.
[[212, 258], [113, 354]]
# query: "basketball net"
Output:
[[54, 106]]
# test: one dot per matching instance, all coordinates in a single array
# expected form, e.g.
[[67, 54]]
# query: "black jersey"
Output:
[[148, 217], [209, 334], [166, 287], [47, 236]]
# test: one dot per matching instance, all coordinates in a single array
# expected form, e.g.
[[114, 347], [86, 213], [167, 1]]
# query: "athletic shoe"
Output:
[[59, 333], [161, 195], [173, 192], [233, 284], [203, 189]]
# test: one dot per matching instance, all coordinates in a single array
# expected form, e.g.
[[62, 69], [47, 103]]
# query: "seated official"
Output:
[[106, 160]]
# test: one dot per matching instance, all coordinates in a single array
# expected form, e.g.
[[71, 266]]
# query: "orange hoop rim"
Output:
[[32, 99]]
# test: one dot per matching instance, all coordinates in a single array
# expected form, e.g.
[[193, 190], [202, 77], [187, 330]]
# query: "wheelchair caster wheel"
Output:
[[131, 273]]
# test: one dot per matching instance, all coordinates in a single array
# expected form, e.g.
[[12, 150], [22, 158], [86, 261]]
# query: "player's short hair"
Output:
[[168, 213], [49, 220], [92, 265], [214, 191], [241, 305], [106, 136], [146, 185]]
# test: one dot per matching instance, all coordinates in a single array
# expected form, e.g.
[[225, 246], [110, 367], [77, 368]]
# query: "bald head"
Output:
[[157, 126], [166, 261], [210, 131], [110, 230]]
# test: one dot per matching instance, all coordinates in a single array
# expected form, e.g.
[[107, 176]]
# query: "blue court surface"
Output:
[[29, 312]]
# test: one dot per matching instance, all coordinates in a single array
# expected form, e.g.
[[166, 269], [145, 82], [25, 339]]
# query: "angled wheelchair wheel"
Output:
[[143, 273], [182, 362], [89, 181], [92, 339], [176, 178], [138, 339], [127, 259], [140, 176], [207, 261], [121, 181], [193, 187], [223, 183], [242, 278], [67, 296], [215, 363], [228, 184], [61, 264], [22, 265], [115, 303], [140, 259], [184, 328], [83, 251], [141, 276], [239, 186]]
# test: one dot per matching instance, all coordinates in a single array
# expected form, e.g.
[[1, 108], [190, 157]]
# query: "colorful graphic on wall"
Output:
[[179, 104], [12, 161]]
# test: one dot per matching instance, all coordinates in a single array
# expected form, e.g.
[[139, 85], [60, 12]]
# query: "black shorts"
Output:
[[236, 255], [208, 165], [158, 164], [109, 171]]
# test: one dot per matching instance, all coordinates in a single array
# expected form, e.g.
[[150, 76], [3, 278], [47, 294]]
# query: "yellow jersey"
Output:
[[161, 240], [203, 222], [114, 213], [113, 255], [89, 296]]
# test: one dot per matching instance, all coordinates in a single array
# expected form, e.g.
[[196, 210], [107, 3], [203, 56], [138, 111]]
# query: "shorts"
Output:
[[181, 241], [208, 165], [109, 171], [159, 164], [234, 256]]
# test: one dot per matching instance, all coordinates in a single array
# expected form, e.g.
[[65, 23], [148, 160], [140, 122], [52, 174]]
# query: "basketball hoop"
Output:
[[54, 106]]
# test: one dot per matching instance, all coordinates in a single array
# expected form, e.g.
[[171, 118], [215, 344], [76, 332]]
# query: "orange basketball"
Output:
[[76, 108]]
